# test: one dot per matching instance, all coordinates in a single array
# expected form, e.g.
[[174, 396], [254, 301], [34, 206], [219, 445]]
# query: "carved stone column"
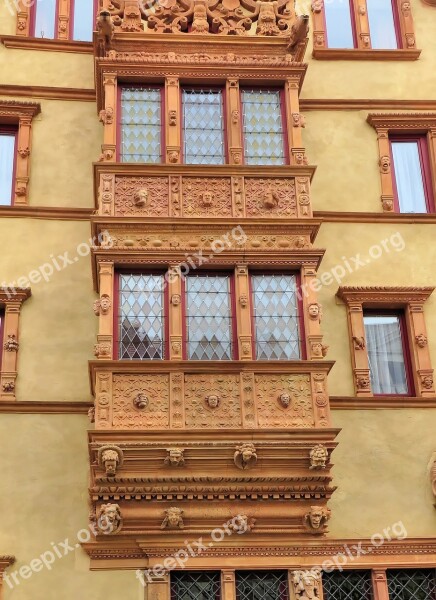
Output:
[[406, 25], [379, 584], [158, 587], [64, 17], [362, 24], [234, 121], [173, 120], [108, 116], [359, 354], [23, 162], [23, 18], [228, 585], [387, 197], [10, 351], [421, 353], [294, 120], [175, 313], [104, 309], [243, 313], [312, 314], [319, 34]]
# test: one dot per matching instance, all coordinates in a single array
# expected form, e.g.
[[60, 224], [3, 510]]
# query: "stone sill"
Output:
[[364, 54], [31, 43]]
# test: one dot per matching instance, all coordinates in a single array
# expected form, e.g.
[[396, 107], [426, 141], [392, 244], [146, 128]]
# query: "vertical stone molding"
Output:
[[173, 120], [243, 313], [234, 121], [108, 116], [379, 584]]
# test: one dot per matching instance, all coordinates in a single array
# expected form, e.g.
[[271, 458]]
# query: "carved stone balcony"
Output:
[[185, 191], [187, 395]]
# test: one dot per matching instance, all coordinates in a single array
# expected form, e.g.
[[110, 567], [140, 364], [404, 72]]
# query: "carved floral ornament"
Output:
[[220, 17]]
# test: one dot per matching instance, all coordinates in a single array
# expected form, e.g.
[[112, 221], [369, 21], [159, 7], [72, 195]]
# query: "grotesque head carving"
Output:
[[176, 299], [270, 199], [206, 199], [245, 456], [317, 517], [109, 520], [141, 401], [173, 519], [241, 524], [307, 584], [140, 197], [213, 400], [285, 399], [175, 457], [385, 164], [318, 457], [315, 311], [421, 340], [110, 458]]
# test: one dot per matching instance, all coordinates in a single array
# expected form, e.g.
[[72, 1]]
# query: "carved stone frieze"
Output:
[[155, 413], [141, 196], [206, 197], [273, 412], [267, 197], [220, 408]]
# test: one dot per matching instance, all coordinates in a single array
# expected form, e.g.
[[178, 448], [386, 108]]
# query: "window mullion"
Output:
[[173, 287], [360, 15], [243, 313], [228, 586], [63, 12], [233, 122], [172, 123], [379, 584]]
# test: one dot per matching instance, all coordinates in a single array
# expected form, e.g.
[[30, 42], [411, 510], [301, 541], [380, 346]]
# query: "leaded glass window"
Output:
[[141, 316], [384, 341], [203, 127], [141, 124], [263, 127], [412, 584], [209, 319], [192, 585], [261, 585], [276, 317], [347, 585]]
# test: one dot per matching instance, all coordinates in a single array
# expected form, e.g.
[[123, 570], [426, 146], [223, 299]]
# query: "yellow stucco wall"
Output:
[[57, 324]]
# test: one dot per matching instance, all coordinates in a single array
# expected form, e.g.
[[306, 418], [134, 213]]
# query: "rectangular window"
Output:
[[209, 318], [45, 19], [382, 27], [2, 329], [264, 142], [191, 585], [261, 585], [411, 175], [412, 584], [203, 127], [276, 317], [7, 165], [385, 340], [141, 124], [347, 585], [339, 24], [141, 314], [83, 19]]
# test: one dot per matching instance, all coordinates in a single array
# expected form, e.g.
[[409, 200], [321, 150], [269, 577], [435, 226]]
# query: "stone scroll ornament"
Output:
[[220, 17]]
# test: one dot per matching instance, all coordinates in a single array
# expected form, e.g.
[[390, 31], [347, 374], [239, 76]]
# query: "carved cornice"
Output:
[[50, 93], [45, 408], [403, 553], [380, 402], [374, 217], [384, 295], [46, 212], [402, 121], [14, 295], [16, 109], [365, 103], [362, 54]]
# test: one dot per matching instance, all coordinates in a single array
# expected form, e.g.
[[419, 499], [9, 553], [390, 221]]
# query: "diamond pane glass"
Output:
[[261, 585], [192, 585], [209, 317], [141, 125], [276, 317], [203, 129], [412, 584], [347, 585], [141, 316], [263, 127]]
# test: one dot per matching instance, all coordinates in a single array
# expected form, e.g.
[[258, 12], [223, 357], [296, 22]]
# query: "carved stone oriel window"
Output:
[[404, 342], [363, 30], [11, 300], [407, 160], [15, 131]]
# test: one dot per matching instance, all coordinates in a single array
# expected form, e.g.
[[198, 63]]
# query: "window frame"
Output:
[[163, 121], [404, 30], [409, 300], [353, 28], [10, 129], [405, 343], [223, 91], [300, 308], [426, 172], [72, 19], [116, 312], [283, 114], [59, 19]]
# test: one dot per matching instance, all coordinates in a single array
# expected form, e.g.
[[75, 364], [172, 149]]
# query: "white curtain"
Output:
[[7, 148], [409, 177], [385, 354]]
